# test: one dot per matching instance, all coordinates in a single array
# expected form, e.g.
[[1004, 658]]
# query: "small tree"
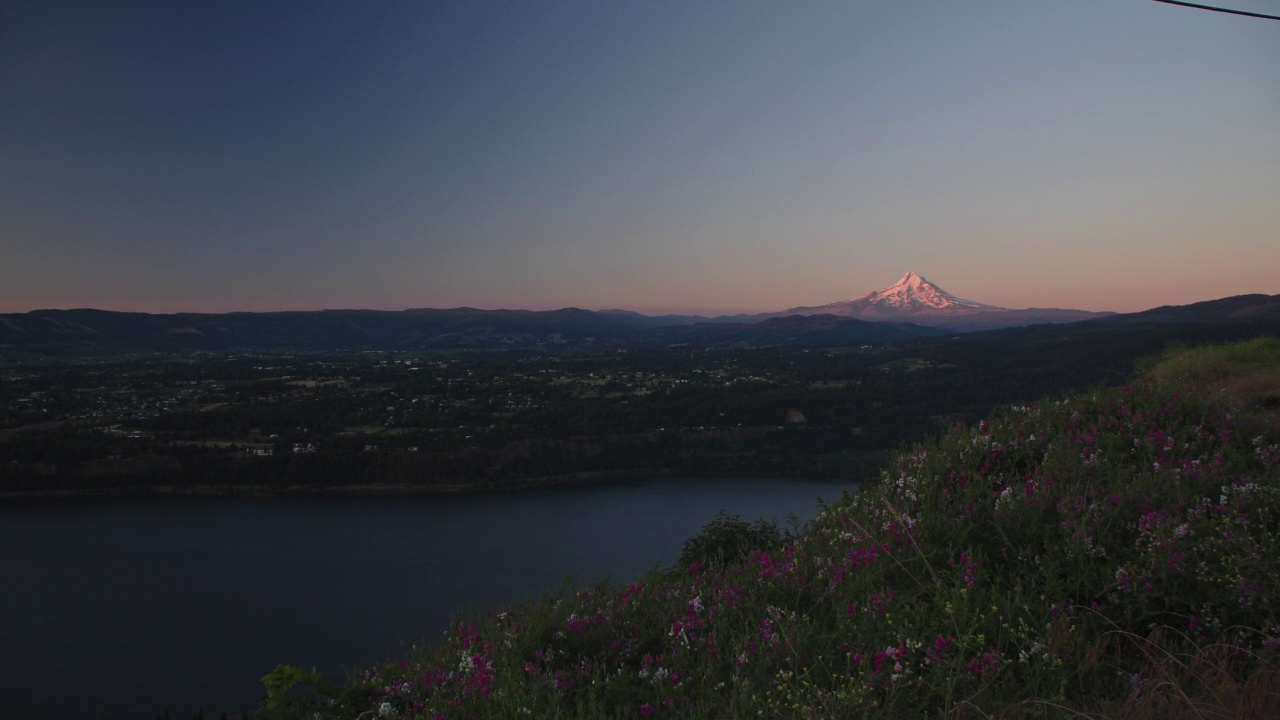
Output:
[[728, 540]]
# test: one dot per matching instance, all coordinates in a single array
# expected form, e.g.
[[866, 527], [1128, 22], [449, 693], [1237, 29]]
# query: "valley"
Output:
[[412, 420]]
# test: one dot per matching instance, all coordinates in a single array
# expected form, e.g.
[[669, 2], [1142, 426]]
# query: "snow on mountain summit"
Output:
[[913, 293], [916, 300]]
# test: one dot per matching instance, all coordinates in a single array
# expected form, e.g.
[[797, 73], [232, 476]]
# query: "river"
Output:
[[121, 609]]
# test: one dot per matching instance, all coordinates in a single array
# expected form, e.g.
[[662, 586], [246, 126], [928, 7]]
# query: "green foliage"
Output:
[[729, 540], [1179, 366], [278, 683]]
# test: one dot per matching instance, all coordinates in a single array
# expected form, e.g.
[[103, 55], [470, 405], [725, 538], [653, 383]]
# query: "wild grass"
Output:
[[1109, 555], [1245, 371]]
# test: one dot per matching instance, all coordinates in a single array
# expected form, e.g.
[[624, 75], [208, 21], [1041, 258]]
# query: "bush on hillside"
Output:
[[730, 540]]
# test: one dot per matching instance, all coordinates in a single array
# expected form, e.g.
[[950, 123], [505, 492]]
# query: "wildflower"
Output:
[[988, 662]]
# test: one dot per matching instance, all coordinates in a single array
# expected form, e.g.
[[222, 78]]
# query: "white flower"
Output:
[[385, 710]]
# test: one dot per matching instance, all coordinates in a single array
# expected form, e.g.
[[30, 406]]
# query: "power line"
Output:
[[1218, 9]]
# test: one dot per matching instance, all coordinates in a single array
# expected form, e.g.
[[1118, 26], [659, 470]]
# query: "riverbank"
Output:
[[366, 490], [585, 479]]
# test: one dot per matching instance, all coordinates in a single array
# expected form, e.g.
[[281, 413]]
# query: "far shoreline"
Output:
[[376, 490]]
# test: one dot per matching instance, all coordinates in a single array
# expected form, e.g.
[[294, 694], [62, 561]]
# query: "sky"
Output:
[[694, 157]]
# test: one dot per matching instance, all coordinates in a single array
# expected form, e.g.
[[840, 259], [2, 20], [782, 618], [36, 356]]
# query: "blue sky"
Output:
[[689, 157]]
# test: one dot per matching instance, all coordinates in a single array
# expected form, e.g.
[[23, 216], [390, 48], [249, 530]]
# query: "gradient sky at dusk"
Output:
[[686, 156]]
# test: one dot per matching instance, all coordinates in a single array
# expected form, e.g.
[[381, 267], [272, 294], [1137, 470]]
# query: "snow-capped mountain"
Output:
[[910, 296], [916, 300]]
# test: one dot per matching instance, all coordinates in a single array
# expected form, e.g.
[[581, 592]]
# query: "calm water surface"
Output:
[[121, 609]]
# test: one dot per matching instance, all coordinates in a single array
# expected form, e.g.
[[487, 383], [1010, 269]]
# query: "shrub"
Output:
[[729, 540]]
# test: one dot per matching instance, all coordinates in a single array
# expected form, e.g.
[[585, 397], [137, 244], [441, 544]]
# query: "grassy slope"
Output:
[[1114, 554]]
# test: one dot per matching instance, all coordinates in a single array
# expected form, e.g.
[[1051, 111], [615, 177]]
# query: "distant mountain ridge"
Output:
[[568, 329], [923, 310]]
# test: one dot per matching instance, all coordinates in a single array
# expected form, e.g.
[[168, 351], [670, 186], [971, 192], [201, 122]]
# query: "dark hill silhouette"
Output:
[[88, 330]]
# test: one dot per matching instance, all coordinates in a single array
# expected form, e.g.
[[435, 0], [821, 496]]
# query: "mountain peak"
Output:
[[910, 280], [913, 298], [916, 300], [914, 294]]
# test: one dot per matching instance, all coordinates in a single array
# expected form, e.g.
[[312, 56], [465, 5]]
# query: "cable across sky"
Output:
[[1218, 9]]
